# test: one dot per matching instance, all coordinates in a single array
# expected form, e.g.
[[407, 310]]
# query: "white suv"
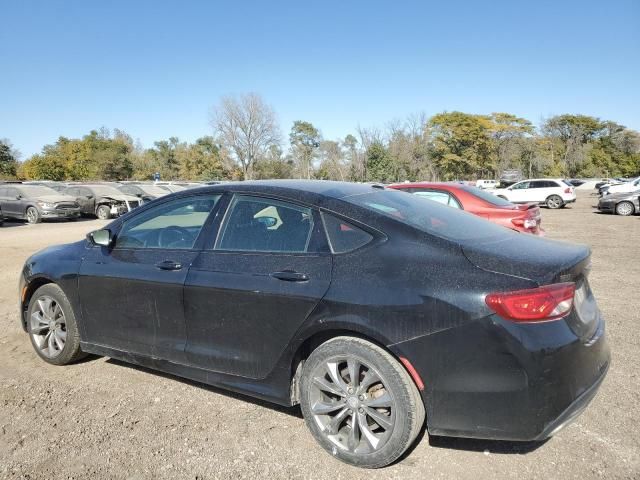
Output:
[[552, 192], [486, 184]]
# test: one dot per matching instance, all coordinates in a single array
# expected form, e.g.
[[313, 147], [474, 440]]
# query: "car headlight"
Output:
[[47, 205]]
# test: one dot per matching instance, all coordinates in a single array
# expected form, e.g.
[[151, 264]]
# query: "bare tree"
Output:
[[247, 126]]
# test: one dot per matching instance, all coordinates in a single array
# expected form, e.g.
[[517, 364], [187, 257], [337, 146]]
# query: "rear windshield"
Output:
[[427, 215], [486, 196]]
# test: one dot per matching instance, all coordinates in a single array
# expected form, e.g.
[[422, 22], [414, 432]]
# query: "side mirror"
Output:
[[268, 221], [100, 237], [18, 197], [139, 195], [89, 197]]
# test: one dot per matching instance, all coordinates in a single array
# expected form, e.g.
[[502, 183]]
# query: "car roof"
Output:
[[305, 190]]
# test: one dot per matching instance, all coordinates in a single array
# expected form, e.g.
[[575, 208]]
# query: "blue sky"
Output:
[[155, 68]]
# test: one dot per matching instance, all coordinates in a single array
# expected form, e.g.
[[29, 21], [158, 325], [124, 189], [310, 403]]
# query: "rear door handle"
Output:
[[169, 265], [290, 276]]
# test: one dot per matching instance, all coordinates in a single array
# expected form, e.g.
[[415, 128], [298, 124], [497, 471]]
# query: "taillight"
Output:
[[541, 304], [567, 190], [525, 222]]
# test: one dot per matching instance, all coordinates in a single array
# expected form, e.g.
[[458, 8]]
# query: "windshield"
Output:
[[152, 190], [104, 190], [36, 191], [487, 197], [427, 215]]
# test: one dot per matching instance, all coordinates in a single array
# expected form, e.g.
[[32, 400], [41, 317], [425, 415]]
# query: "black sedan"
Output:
[[368, 307], [624, 203]]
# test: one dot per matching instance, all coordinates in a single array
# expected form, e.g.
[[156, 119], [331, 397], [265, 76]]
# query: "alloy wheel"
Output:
[[351, 405], [48, 326], [624, 208], [32, 215], [554, 201]]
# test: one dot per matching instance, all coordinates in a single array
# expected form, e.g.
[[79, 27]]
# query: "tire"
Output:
[[33, 215], [554, 201], [384, 391], [59, 344], [625, 209], [103, 212]]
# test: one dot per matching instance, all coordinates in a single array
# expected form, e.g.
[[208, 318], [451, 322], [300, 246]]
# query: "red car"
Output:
[[523, 218]]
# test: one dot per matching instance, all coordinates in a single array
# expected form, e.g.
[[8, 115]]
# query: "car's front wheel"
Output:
[[104, 212], [33, 215], [359, 402], [52, 326], [625, 209]]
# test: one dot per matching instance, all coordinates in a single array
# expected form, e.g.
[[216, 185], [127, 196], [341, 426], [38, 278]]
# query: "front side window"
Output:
[[171, 225], [255, 224]]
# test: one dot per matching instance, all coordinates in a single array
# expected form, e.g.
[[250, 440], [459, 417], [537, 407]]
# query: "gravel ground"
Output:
[[104, 419]]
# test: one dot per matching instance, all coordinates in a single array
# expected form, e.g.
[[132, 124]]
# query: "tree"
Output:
[[379, 164], [304, 139], [8, 159], [247, 126], [461, 145]]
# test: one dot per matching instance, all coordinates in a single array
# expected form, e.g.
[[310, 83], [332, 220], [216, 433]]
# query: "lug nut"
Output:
[[350, 390], [361, 410], [361, 397]]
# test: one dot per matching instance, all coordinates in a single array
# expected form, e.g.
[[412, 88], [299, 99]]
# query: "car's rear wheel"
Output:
[[554, 201], [359, 402], [33, 215], [104, 212], [625, 209], [52, 326]]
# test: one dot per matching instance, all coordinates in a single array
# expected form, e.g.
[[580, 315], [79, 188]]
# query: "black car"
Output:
[[368, 307]]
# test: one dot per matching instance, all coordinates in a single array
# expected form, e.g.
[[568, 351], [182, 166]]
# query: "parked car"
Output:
[[626, 187], [144, 191], [552, 192], [523, 218], [102, 200], [57, 186], [170, 187], [1, 216], [365, 305], [509, 177], [576, 182], [486, 184], [35, 203], [624, 203]]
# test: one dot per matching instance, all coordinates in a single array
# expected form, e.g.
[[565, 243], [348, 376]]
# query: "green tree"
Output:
[[304, 139], [380, 167], [461, 145], [8, 160]]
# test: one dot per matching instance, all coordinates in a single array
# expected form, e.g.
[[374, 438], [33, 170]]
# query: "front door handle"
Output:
[[290, 276], [169, 265]]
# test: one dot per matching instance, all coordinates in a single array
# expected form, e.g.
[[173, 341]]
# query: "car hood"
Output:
[[56, 198], [527, 256]]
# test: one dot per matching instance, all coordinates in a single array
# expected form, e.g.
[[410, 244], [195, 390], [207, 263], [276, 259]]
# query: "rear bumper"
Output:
[[493, 379]]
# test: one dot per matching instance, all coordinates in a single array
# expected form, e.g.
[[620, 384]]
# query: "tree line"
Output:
[[247, 142]]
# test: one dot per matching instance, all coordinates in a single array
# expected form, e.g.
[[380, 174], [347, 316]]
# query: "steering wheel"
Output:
[[173, 236]]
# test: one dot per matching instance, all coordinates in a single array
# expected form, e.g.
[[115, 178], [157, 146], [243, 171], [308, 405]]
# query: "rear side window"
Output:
[[255, 224], [343, 236]]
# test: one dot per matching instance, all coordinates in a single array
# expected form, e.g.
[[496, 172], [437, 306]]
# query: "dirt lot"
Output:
[[104, 419]]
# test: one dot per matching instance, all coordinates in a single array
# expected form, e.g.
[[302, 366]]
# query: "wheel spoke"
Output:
[[353, 366], [325, 386], [62, 335], [51, 343], [58, 341], [334, 425], [369, 436], [369, 379], [334, 373], [323, 408], [44, 304], [380, 418], [383, 400], [354, 435]]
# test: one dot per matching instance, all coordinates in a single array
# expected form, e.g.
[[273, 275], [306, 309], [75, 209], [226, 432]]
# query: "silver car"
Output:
[[626, 203], [35, 203]]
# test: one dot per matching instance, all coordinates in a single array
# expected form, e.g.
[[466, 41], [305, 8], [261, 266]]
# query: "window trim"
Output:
[[435, 190], [317, 224], [376, 236], [197, 244]]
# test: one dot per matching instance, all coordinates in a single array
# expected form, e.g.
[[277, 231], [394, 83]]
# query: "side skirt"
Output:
[[274, 388]]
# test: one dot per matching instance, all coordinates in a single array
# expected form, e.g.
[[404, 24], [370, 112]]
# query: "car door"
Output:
[[12, 205], [132, 292], [519, 192], [247, 295], [87, 201]]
